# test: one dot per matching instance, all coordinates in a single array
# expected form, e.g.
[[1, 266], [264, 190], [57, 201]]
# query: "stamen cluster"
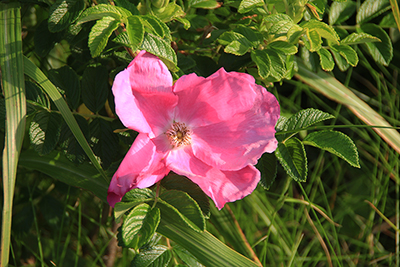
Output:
[[179, 134]]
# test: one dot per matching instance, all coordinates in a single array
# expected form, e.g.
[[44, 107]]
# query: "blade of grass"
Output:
[[11, 65], [396, 12], [38, 76], [383, 216], [330, 87]]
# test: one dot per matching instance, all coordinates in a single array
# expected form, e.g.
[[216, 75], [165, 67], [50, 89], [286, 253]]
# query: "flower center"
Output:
[[179, 134]]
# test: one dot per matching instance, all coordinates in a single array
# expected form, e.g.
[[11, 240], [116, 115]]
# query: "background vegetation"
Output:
[[339, 57]]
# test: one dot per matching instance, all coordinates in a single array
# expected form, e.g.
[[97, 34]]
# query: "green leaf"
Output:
[[206, 4], [278, 66], [45, 40], [326, 59], [135, 31], [268, 168], [238, 47], [341, 62], [301, 120], [381, 52], [35, 94], [282, 46], [341, 11], [323, 29], [255, 37], [292, 157], [336, 143], [103, 140], [95, 87], [311, 60], [63, 13], [248, 5], [180, 206], [280, 24], [263, 62], [359, 38], [66, 79], [157, 256], [170, 12], [370, 9], [101, 11], [131, 199], [348, 53], [155, 26], [314, 41], [55, 165], [161, 49], [388, 21], [73, 151], [178, 182], [186, 256], [139, 226], [127, 5], [101, 31], [37, 75], [44, 131]]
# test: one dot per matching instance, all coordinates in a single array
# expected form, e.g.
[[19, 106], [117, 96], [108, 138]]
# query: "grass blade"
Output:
[[327, 85], [11, 64]]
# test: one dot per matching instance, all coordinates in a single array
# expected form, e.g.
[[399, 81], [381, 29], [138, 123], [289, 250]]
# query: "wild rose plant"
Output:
[[211, 130]]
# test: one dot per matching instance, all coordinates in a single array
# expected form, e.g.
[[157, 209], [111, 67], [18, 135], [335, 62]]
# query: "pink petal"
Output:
[[231, 117], [143, 95], [204, 101], [142, 167], [233, 144], [220, 186]]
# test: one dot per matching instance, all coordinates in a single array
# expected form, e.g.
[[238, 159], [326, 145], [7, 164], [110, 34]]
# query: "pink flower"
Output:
[[211, 130]]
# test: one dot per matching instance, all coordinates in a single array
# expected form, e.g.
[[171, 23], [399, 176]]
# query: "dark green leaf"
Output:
[[341, 11], [268, 168], [280, 23], [292, 157], [255, 37], [95, 87], [72, 149], [178, 182], [45, 40], [326, 59], [162, 49], [336, 143], [370, 9], [382, 52], [184, 209], [127, 5], [157, 256], [103, 141], [139, 226], [44, 131], [67, 80], [63, 13], [35, 94], [100, 33], [311, 60], [303, 119]]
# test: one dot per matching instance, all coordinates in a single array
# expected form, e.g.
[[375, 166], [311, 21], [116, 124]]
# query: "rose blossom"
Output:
[[211, 130]]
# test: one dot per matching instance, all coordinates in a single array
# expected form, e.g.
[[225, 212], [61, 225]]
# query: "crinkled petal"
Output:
[[142, 167], [233, 144], [204, 101], [143, 95], [220, 186]]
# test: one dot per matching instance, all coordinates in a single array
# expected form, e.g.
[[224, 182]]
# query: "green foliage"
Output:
[[80, 46]]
